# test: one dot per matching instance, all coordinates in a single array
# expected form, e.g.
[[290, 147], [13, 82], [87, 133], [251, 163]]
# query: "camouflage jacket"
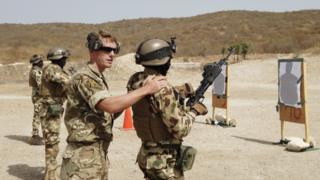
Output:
[[85, 123], [54, 81], [35, 80], [163, 106]]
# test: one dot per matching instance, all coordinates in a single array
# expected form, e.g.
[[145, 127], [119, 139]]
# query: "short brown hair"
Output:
[[95, 40], [104, 34]]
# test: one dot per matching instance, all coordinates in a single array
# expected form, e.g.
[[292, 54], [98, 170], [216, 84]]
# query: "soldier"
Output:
[[161, 120], [91, 110], [53, 93], [34, 81]]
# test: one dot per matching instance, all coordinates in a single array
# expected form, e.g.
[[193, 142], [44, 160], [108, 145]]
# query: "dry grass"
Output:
[[203, 35]]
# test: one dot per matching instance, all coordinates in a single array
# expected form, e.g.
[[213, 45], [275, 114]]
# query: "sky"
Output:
[[100, 11]]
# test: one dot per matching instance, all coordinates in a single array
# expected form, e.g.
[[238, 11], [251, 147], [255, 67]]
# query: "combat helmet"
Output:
[[155, 52], [57, 54], [36, 58]]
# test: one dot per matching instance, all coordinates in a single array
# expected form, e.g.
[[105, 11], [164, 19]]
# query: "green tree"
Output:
[[236, 51], [223, 50], [244, 49]]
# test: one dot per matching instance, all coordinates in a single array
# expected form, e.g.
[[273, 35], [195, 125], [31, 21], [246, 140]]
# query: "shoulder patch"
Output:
[[89, 82]]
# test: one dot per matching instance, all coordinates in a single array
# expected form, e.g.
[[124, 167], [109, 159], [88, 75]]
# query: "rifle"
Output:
[[210, 72]]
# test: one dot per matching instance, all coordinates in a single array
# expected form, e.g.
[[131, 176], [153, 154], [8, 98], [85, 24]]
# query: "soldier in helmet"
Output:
[[34, 81], [54, 82], [161, 120], [91, 110]]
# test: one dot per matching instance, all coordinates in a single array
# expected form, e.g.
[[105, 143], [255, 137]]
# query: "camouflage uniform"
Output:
[[160, 122], [53, 93], [89, 129], [34, 82]]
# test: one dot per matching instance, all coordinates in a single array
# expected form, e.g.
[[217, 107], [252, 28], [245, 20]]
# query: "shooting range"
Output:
[[292, 95]]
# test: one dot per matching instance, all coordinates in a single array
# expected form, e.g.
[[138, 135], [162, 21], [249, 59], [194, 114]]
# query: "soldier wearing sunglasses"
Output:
[[91, 110]]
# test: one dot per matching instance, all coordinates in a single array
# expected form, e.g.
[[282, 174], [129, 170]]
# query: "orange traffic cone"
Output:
[[127, 121]]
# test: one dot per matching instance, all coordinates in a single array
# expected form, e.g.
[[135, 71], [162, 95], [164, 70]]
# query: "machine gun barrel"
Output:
[[210, 72]]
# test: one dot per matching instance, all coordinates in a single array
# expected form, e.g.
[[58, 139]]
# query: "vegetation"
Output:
[[240, 50], [203, 35]]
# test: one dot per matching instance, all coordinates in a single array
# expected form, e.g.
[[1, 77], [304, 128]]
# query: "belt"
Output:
[[96, 143], [149, 145]]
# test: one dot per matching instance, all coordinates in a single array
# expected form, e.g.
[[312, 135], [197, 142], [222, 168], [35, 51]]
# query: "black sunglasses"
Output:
[[108, 49]]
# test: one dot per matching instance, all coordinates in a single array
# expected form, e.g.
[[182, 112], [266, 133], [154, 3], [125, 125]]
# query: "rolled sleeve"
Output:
[[56, 74], [92, 91], [96, 98], [177, 119]]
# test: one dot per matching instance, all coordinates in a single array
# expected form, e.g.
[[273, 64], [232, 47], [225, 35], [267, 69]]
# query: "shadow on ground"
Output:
[[25, 172], [21, 138], [255, 140]]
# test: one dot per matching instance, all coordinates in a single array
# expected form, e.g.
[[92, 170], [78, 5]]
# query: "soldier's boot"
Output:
[[36, 140], [51, 162]]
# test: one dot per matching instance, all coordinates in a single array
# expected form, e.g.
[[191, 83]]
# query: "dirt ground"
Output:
[[243, 152]]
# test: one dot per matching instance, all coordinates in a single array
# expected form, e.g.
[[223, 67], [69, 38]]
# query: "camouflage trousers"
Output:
[[85, 161], [50, 125], [159, 163], [36, 122]]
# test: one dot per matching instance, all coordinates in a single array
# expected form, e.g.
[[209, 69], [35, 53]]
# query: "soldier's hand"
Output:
[[199, 109], [155, 83], [185, 90]]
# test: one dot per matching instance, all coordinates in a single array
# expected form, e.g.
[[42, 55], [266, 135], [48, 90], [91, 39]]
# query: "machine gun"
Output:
[[210, 72]]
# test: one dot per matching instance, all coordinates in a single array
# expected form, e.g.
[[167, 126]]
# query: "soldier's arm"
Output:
[[176, 118], [118, 103], [90, 90], [56, 74], [99, 98], [38, 77]]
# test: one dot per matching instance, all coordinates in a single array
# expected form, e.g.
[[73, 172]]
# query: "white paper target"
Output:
[[290, 83], [219, 84]]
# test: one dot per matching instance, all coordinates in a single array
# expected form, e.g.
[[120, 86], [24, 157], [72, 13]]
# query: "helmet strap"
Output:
[[61, 62], [162, 69], [39, 64]]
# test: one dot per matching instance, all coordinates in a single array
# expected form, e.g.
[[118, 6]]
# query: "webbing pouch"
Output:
[[186, 157], [55, 109]]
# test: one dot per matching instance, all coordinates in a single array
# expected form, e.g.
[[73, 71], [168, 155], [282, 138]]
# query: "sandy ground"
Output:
[[243, 152]]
